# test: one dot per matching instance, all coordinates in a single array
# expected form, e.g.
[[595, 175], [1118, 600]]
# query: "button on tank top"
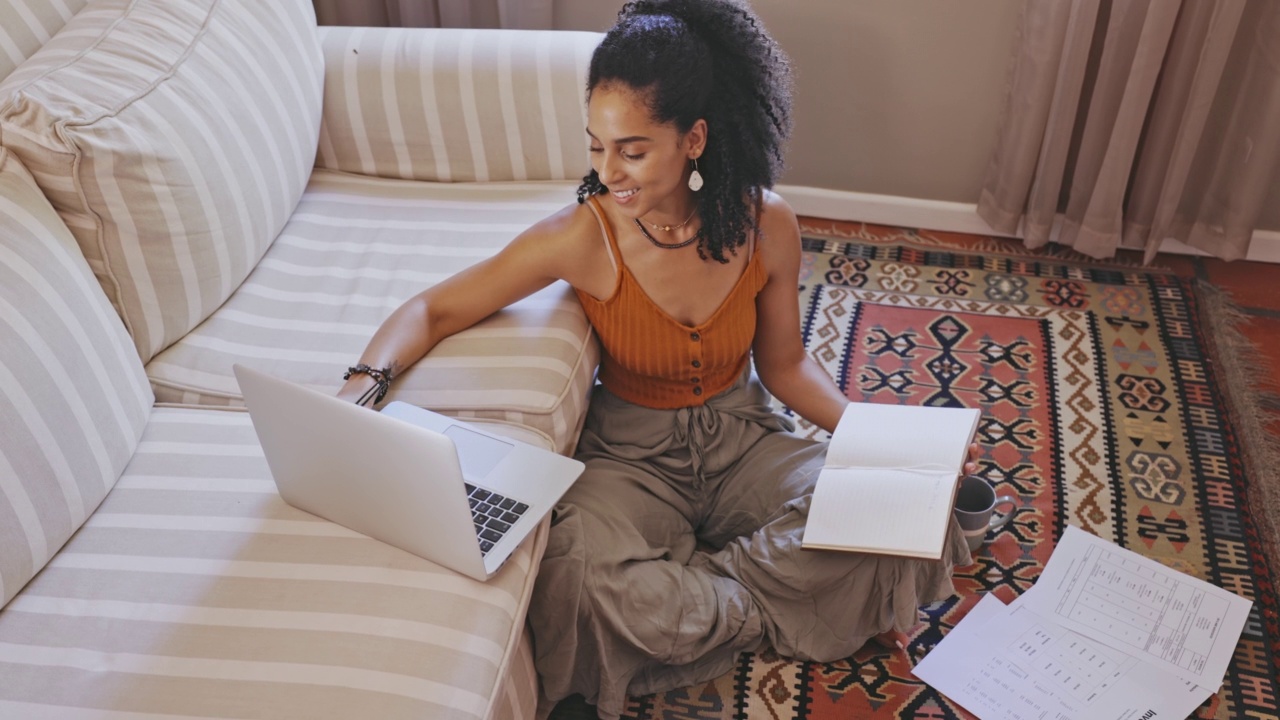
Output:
[[654, 360]]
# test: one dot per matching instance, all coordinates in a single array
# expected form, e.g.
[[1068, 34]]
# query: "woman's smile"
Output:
[[624, 197]]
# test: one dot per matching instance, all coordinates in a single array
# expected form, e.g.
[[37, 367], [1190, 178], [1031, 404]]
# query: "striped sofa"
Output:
[[186, 184]]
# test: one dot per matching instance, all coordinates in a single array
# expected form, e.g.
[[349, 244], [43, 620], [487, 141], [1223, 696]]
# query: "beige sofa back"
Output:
[[174, 138], [25, 25], [73, 397], [456, 105]]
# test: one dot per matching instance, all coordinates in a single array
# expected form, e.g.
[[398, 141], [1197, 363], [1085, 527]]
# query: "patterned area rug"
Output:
[[1109, 402]]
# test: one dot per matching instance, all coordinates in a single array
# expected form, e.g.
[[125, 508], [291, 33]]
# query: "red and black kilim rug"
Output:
[[1112, 398]]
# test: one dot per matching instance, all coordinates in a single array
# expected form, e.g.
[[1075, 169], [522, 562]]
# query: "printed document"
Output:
[[1008, 663], [1176, 622]]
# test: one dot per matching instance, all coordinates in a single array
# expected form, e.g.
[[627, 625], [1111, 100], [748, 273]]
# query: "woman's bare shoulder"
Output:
[[567, 245], [571, 228], [779, 228], [776, 212]]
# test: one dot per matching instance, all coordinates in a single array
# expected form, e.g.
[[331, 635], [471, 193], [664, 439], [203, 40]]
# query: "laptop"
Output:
[[420, 481]]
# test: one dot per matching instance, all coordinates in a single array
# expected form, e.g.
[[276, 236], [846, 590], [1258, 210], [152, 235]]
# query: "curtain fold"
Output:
[[518, 14], [1138, 120]]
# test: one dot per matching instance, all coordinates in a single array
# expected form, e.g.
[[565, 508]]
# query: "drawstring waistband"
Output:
[[622, 430], [694, 427]]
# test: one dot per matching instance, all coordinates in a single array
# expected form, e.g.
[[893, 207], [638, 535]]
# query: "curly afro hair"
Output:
[[707, 59]]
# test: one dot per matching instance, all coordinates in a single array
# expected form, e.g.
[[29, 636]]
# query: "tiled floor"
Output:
[[1254, 286]]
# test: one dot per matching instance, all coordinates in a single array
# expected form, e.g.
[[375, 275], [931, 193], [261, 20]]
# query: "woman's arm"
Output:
[[784, 367], [781, 361], [550, 250]]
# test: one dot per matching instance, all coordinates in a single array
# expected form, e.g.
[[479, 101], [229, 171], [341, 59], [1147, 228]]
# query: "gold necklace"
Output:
[[668, 246], [669, 228]]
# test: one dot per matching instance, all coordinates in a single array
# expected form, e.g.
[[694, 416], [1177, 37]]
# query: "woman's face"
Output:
[[643, 163]]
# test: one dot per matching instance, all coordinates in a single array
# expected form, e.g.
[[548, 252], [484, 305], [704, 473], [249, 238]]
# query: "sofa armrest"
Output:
[[455, 105]]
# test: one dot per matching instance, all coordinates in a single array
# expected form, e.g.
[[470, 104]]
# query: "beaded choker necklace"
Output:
[[668, 246]]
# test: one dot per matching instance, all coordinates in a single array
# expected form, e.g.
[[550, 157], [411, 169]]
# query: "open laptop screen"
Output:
[[477, 454]]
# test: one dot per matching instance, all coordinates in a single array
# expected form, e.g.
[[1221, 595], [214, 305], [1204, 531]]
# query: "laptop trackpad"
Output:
[[478, 454]]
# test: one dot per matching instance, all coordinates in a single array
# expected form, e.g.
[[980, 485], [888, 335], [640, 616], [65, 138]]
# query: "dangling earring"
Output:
[[695, 177]]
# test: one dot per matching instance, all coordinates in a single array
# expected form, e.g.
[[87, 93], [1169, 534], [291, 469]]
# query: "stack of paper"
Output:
[[1105, 633]]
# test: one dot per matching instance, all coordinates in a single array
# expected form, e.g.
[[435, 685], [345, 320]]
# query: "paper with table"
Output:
[[1009, 663], [1105, 633], [1178, 623], [890, 479]]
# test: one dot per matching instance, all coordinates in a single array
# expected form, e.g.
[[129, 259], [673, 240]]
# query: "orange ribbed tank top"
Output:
[[652, 359]]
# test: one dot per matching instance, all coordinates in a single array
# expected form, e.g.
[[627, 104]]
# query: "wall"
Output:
[[893, 97]]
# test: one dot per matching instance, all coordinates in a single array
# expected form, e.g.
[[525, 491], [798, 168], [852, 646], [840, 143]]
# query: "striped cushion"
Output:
[[355, 249], [25, 25], [73, 398], [519, 695], [455, 105], [196, 591], [174, 137]]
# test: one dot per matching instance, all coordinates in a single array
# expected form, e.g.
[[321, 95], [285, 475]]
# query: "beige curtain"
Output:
[[520, 14], [1137, 121]]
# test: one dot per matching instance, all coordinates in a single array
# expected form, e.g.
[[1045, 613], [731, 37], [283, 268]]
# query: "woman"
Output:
[[678, 547]]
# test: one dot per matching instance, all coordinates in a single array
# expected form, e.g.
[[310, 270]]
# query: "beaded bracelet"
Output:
[[382, 378]]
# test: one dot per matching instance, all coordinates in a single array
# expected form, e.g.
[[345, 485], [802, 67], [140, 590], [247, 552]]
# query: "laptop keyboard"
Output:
[[493, 515]]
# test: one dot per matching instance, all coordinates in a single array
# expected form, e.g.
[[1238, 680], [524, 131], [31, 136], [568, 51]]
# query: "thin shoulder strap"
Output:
[[755, 234], [606, 231]]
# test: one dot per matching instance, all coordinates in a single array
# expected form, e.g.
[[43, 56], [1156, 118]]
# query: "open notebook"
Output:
[[890, 480]]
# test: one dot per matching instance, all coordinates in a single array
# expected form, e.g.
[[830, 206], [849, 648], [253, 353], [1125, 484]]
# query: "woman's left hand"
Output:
[[971, 466]]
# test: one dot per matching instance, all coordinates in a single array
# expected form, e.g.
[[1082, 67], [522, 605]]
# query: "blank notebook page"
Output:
[[895, 511], [875, 435]]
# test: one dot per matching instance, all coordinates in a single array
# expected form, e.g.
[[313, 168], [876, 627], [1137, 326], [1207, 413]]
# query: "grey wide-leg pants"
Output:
[[628, 601]]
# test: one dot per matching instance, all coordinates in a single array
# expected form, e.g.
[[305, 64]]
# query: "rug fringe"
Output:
[[1244, 369], [983, 244]]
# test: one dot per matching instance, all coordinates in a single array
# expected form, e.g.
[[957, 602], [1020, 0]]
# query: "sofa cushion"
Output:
[[174, 137], [195, 591], [456, 105], [73, 397], [25, 25], [355, 249]]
